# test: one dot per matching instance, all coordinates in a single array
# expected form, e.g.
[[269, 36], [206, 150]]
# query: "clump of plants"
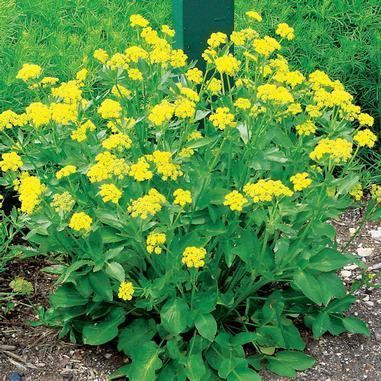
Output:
[[192, 207]]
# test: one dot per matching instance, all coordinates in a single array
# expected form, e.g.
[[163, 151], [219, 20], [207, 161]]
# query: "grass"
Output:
[[342, 37]]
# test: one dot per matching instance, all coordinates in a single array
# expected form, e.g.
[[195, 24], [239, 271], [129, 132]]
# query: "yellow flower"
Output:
[[138, 20], [30, 189], [117, 141], [38, 113], [69, 92], [135, 74], [194, 75], [376, 192], [10, 162], [80, 222], [80, 134], [314, 111], [228, 65], [9, 119], [109, 192], [167, 30], [365, 120], [356, 192], [81, 75], [194, 257], [285, 31], [126, 290], [120, 91], [195, 135], [110, 109], [305, 129], [275, 94], [29, 71], [337, 149], [235, 201], [222, 118], [165, 166], [254, 16], [294, 109], [147, 205], [140, 171], [178, 58], [63, 113], [242, 103], [161, 113], [118, 62], [189, 93], [266, 45], [182, 197], [49, 81], [186, 153], [184, 108], [214, 86], [135, 53], [238, 38], [365, 138], [266, 190], [217, 39], [300, 181], [155, 242], [101, 55], [62, 202], [66, 171]]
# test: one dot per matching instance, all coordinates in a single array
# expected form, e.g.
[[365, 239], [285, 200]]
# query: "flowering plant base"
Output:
[[192, 208]]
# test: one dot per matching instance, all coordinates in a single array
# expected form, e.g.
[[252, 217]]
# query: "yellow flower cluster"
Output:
[[69, 92], [376, 192], [223, 118], [117, 141], [140, 171], [110, 109], [235, 201], [63, 113], [194, 257], [365, 119], [357, 192], [275, 94], [182, 197], [307, 128], [194, 75], [214, 86], [80, 134], [228, 64], [266, 46], [38, 113], [301, 181], [266, 190], [217, 39], [184, 108], [126, 290], [155, 242], [62, 202], [28, 72], [242, 103], [365, 138], [107, 165], [10, 162], [254, 15], [66, 171], [30, 190], [80, 222], [285, 31], [161, 113], [9, 119], [147, 205], [339, 150], [110, 193], [165, 167]]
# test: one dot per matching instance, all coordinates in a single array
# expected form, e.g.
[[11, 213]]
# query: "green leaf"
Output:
[[309, 286], [286, 363], [145, 362], [329, 260], [67, 296], [356, 325], [243, 374], [104, 331], [206, 326], [175, 316], [100, 283], [137, 332], [195, 368], [115, 270]]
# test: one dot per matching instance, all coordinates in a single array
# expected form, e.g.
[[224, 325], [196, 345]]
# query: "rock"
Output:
[[365, 251], [376, 234]]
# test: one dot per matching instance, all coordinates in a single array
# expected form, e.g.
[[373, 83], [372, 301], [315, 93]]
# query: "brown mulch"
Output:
[[37, 353]]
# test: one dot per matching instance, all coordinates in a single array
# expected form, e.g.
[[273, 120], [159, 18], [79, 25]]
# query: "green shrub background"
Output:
[[341, 36]]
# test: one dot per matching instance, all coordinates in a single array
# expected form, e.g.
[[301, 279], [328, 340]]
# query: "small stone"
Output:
[[364, 251], [376, 234], [345, 273], [352, 231], [350, 267], [108, 355]]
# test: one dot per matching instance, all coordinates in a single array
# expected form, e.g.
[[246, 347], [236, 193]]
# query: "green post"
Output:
[[196, 20]]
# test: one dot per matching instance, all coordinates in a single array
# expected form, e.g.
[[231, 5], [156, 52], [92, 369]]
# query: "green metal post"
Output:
[[196, 20]]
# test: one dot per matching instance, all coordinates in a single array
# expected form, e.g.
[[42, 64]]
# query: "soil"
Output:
[[38, 354]]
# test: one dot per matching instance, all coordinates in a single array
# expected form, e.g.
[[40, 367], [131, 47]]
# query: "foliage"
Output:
[[192, 208]]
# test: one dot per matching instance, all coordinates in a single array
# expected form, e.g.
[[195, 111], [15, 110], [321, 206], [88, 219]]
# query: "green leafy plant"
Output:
[[192, 208]]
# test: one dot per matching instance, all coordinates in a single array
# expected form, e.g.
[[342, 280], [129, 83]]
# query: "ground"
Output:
[[38, 353]]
